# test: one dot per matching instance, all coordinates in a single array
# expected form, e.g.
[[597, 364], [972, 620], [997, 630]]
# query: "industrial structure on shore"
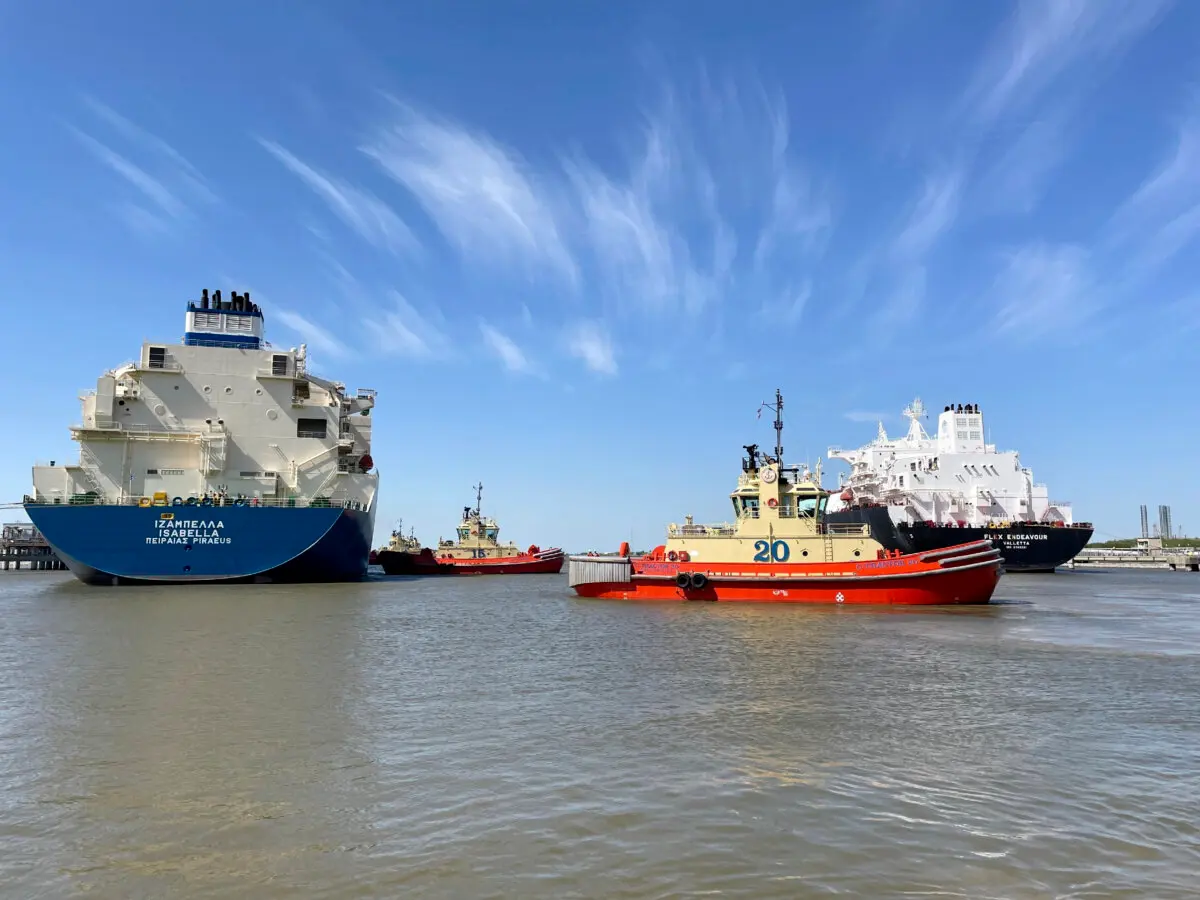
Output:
[[23, 547]]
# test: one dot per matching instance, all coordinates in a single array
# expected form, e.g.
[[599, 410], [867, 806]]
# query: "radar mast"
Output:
[[777, 407]]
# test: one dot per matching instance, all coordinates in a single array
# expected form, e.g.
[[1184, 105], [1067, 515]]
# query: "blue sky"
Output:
[[575, 245]]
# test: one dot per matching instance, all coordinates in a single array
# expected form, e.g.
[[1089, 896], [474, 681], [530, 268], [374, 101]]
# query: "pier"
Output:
[[23, 547], [1149, 553]]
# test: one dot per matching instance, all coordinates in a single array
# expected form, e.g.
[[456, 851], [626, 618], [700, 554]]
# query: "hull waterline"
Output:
[[425, 563], [1029, 548], [964, 575], [105, 545]]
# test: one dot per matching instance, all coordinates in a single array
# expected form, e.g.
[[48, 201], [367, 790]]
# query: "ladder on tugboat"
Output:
[[828, 542]]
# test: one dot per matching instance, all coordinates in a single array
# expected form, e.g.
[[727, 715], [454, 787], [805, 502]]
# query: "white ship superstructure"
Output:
[[953, 478], [220, 416]]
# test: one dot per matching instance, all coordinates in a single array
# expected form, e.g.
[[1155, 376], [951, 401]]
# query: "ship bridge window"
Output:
[[806, 507], [746, 506], [158, 357], [310, 428], [279, 364]]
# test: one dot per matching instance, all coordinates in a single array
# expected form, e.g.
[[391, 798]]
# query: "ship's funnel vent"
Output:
[[219, 322]]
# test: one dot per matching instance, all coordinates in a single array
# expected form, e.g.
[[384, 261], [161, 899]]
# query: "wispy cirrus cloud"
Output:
[[168, 183], [505, 349], [187, 172], [713, 192], [1162, 216], [401, 330], [933, 214], [1029, 86], [895, 273], [1016, 182], [363, 212], [710, 187], [589, 342], [313, 334], [1044, 41], [481, 195], [1046, 290]]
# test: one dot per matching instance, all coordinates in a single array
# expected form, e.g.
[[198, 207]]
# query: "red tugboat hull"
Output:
[[963, 574], [545, 562], [549, 562]]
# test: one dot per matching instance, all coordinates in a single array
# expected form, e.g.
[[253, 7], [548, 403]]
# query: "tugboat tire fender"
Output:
[[683, 580], [699, 581]]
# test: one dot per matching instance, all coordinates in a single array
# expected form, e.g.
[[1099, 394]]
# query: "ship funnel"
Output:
[[204, 298]]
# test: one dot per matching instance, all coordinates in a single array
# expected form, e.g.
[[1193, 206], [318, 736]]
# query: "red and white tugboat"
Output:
[[475, 551], [779, 549]]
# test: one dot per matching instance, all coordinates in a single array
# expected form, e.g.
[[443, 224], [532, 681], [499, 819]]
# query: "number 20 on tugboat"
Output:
[[779, 549]]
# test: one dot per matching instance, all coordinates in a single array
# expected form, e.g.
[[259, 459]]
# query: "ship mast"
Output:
[[777, 406], [478, 498]]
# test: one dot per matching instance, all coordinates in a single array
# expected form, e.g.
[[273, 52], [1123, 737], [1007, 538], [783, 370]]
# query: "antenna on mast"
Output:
[[777, 406], [478, 497]]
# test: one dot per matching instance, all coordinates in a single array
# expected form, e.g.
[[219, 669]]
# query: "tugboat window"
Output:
[[158, 357], [806, 507], [310, 428]]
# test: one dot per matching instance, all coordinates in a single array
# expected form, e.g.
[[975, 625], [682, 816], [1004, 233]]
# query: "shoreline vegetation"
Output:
[[1181, 543]]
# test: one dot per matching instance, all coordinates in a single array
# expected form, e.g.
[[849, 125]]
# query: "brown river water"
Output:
[[497, 737]]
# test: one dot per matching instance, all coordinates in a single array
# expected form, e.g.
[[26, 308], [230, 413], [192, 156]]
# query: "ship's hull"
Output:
[[962, 575], [1023, 547], [394, 562], [106, 545]]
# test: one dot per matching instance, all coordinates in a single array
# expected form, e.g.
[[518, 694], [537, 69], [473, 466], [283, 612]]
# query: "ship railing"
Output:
[[186, 503], [168, 364], [1061, 504], [723, 529], [227, 344], [845, 528]]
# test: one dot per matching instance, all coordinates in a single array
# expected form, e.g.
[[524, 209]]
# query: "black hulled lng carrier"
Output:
[[922, 493]]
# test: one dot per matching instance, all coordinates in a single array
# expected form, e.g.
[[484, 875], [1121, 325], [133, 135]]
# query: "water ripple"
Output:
[[501, 738]]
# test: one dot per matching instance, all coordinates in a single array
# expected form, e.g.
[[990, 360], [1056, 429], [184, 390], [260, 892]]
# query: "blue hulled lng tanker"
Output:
[[216, 460]]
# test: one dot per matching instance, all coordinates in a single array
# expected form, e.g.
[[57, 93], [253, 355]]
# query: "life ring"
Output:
[[239, 502], [684, 556], [144, 501], [672, 556], [192, 501], [772, 502], [178, 501], [206, 500]]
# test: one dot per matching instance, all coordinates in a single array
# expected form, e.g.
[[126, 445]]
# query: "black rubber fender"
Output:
[[683, 580], [699, 581]]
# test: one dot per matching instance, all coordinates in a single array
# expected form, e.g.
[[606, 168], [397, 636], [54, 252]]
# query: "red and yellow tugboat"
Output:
[[475, 551], [779, 550]]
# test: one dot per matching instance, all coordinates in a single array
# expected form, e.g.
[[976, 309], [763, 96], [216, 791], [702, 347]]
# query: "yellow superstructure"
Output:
[[778, 514]]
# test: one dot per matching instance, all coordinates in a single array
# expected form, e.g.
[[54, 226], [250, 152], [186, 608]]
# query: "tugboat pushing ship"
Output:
[[781, 549], [220, 459], [475, 551], [921, 493]]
